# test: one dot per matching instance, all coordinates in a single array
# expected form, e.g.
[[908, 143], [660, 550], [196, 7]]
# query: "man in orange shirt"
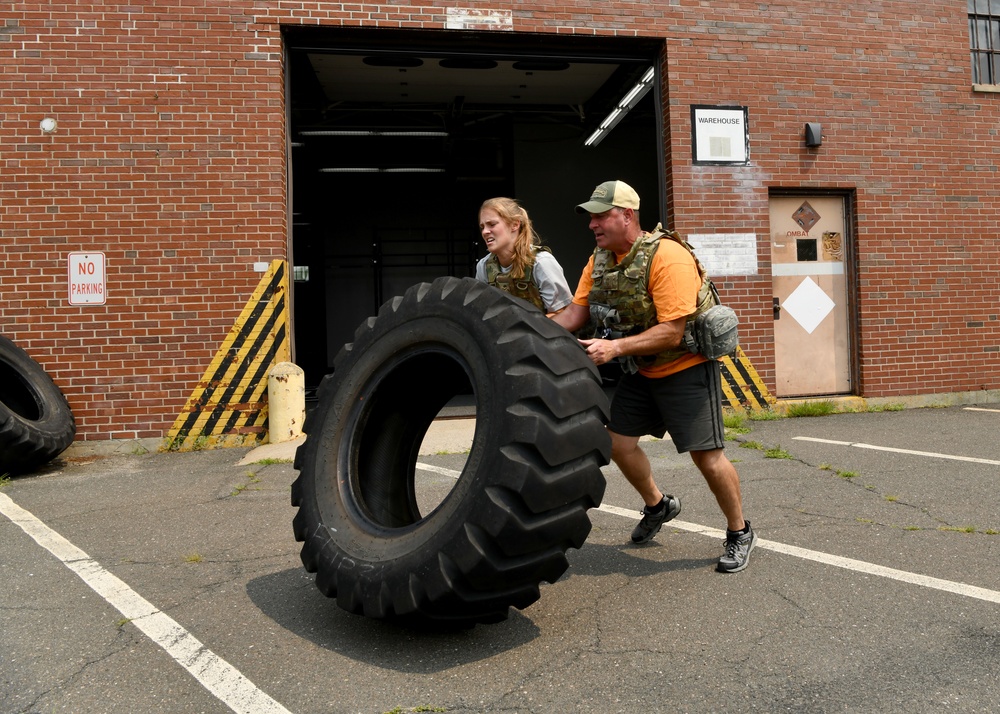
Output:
[[639, 289]]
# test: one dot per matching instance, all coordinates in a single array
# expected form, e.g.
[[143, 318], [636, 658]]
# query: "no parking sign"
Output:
[[87, 280]]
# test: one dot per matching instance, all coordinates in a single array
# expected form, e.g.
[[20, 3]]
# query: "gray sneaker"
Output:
[[738, 548], [654, 517]]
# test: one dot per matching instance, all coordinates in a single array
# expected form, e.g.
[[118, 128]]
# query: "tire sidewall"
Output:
[[54, 428], [411, 330]]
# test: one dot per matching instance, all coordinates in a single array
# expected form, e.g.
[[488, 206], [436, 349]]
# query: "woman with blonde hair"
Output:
[[518, 263]]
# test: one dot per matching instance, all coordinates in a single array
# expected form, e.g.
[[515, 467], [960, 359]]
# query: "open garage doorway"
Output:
[[398, 136]]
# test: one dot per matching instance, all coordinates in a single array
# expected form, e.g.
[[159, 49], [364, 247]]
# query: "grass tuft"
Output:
[[812, 409], [764, 415], [777, 453]]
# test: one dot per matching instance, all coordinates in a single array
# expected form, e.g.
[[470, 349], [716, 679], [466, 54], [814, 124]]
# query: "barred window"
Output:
[[984, 40]]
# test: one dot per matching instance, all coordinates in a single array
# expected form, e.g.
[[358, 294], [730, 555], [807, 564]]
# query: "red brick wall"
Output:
[[891, 86], [170, 158]]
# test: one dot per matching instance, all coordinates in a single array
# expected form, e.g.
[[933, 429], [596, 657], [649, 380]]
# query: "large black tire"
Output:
[[36, 423], [532, 473]]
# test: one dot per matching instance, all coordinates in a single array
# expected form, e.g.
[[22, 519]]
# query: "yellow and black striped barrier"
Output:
[[743, 387], [229, 405]]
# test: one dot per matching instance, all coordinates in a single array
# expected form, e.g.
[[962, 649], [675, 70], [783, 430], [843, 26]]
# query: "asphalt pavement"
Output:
[[171, 582]]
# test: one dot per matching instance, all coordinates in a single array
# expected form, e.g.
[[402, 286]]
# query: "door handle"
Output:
[[776, 306]]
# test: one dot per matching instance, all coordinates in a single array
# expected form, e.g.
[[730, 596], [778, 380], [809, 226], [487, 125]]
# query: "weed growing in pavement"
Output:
[[812, 409], [240, 488], [891, 498], [735, 423], [4, 481], [777, 453], [825, 467], [847, 474], [193, 558], [958, 529], [764, 415], [752, 445], [122, 622], [272, 462], [912, 528]]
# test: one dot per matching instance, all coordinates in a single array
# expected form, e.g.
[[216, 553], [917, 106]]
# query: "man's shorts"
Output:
[[686, 404]]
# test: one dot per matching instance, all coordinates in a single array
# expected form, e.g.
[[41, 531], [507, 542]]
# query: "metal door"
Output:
[[812, 341]]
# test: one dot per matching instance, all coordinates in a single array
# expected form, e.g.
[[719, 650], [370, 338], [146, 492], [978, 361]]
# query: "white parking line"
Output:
[[980, 409], [858, 566], [231, 687], [932, 454], [212, 672]]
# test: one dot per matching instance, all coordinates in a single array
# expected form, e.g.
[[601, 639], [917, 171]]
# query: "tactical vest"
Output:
[[523, 288], [620, 303]]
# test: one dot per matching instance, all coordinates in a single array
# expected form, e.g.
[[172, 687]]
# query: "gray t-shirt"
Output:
[[548, 277]]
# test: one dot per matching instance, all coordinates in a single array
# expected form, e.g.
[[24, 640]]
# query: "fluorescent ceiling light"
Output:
[[611, 119], [622, 108]]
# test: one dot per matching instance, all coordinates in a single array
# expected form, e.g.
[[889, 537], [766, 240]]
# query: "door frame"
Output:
[[849, 197]]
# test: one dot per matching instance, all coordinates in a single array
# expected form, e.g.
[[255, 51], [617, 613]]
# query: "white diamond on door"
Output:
[[808, 305]]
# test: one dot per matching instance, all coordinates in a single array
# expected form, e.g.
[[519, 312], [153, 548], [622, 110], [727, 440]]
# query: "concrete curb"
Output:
[[445, 436]]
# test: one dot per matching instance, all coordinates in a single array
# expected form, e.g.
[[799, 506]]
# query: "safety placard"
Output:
[[87, 279]]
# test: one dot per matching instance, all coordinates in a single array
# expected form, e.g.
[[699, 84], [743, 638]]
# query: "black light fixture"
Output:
[[814, 133]]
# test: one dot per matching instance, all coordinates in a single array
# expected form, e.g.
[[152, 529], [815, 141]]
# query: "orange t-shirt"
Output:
[[674, 284]]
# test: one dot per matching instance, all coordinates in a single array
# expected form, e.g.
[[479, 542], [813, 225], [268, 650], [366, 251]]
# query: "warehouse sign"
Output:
[[87, 279], [721, 135]]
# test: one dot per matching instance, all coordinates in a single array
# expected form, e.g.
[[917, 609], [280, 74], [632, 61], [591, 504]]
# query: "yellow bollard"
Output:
[[286, 402]]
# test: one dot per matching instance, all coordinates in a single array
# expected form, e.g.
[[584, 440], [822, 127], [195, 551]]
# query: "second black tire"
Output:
[[36, 423], [531, 475]]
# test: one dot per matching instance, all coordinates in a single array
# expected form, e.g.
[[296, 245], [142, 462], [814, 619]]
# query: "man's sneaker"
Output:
[[655, 516], [738, 548]]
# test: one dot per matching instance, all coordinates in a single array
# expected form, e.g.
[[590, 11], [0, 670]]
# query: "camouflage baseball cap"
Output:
[[609, 195]]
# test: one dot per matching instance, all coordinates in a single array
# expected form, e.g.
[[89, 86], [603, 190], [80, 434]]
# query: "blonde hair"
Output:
[[511, 212]]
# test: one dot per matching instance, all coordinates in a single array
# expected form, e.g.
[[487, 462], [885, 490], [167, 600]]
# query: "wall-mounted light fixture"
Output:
[[814, 133], [622, 108], [48, 125]]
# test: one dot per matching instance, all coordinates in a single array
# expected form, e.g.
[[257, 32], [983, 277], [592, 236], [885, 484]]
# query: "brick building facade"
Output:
[[171, 156]]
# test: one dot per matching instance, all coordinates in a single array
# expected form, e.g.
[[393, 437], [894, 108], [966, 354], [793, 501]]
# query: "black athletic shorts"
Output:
[[686, 404]]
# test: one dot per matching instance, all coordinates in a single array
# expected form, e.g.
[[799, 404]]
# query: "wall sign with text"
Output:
[[87, 278], [721, 135]]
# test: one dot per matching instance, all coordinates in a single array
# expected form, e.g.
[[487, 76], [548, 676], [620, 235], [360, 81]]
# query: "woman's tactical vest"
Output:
[[620, 303], [523, 288]]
